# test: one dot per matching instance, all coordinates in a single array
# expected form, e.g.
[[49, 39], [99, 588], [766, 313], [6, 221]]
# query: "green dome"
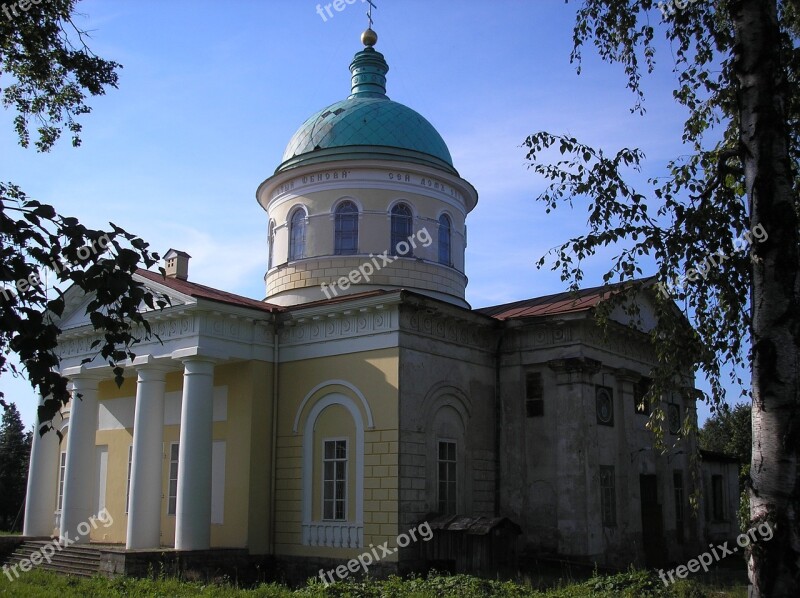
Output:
[[367, 125]]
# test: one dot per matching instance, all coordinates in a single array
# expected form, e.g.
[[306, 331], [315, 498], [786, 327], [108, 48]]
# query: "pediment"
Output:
[[76, 301], [645, 320]]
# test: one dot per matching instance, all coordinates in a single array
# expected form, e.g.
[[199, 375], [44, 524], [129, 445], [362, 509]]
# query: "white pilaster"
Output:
[[193, 511], [40, 501], [144, 505], [79, 488]]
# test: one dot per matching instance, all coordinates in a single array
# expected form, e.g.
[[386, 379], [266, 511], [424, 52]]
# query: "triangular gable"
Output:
[[76, 301], [644, 321]]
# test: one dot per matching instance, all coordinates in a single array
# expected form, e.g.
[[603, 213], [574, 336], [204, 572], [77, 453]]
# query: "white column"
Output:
[[77, 505], [144, 506], [193, 511], [40, 500]]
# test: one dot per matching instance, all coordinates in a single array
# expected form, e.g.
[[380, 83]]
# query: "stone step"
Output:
[[78, 560]]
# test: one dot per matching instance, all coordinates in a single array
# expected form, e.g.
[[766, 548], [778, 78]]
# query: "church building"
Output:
[[364, 397]]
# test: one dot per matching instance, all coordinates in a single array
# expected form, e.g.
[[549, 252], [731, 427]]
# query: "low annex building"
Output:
[[364, 395]]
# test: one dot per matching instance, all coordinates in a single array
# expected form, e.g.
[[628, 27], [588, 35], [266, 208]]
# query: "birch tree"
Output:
[[721, 224]]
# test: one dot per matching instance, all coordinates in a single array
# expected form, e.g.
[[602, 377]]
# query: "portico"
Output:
[[196, 336]]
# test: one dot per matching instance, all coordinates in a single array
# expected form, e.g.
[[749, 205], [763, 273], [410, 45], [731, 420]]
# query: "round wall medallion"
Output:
[[605, 406]]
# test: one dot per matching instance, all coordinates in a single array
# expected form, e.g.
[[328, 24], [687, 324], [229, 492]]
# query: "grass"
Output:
[[633, 584]]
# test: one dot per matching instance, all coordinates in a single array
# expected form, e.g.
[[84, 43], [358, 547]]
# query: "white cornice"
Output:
[[454, 190], [299, 315]]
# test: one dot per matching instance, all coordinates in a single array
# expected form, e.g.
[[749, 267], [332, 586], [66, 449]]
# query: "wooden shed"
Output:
[[479, 545]]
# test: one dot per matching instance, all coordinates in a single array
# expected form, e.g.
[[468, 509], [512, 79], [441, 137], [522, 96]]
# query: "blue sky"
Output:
[[211, 93]]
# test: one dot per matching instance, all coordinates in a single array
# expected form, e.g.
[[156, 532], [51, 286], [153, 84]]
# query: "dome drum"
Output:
[[394, 175]]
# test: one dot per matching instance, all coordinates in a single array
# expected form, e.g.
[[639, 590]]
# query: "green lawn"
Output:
[[639, 584]]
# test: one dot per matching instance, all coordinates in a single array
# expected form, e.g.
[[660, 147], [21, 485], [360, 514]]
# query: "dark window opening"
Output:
[[534, 394], [608, 496], [640, 390]]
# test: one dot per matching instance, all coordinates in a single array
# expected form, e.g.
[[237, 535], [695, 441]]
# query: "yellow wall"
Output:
[[375, 374], [247, 433], [247, 458], [118, 442]]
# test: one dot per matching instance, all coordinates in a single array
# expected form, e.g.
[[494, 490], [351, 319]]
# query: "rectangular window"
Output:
[[717, 498], [447, 477], [128, 485], [334, 482], [608, 496], [677, 483], [172, 496], [62, 469], [640, 390], [346, 230], [534, 394], [401, 225]]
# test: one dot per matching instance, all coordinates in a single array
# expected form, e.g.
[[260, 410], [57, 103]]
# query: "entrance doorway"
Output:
[[652, 522]]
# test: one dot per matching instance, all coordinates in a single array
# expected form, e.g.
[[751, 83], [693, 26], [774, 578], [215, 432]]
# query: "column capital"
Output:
[[85, 376], [150, 369], [150, 363], [196, 353], [198, 366]]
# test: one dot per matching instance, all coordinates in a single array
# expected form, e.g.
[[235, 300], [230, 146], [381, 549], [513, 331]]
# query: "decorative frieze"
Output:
[[448, 328], [334, 326], [540, 335], [184, 328]]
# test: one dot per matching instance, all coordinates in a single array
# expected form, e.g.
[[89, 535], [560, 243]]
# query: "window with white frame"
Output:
[[128, 483], [334, 480], [445, 228], [346, 229], [62, 469], [448, 485], [402, 221], [172, 496], [271, 243], [297, 235]]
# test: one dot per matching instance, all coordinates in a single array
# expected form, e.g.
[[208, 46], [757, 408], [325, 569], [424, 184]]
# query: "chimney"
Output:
[[176, 264]]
